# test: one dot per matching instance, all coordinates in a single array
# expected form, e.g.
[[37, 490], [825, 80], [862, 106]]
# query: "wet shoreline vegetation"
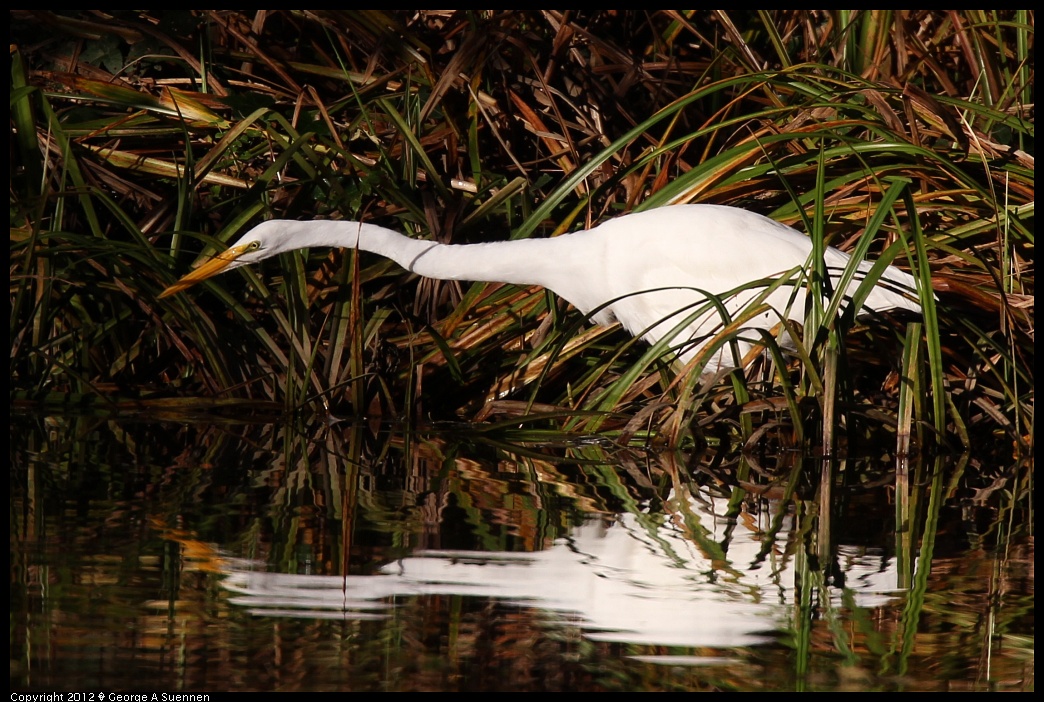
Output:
[[141, 140]]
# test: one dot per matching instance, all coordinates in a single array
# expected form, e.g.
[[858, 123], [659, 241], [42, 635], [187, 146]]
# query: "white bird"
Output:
[[648, 270]]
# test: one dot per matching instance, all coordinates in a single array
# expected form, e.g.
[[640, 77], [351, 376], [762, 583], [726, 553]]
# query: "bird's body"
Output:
[[648, 270]]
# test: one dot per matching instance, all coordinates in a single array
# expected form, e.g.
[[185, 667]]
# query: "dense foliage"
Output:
[[140, 138]]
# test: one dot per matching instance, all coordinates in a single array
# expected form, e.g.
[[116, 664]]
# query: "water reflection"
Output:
[[636, 579], [210, 557]]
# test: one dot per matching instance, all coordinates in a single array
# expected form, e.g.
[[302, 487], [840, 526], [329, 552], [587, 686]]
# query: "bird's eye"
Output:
[[253, 246]]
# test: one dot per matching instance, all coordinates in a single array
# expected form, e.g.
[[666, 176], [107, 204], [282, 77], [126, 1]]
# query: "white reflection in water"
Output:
[[681, 580]]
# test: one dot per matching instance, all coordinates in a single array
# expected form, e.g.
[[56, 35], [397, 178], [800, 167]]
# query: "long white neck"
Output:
[[496, 262]]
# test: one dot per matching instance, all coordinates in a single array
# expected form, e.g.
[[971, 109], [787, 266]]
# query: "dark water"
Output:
[[169, 556]]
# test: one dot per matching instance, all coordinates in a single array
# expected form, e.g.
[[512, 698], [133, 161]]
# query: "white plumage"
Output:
[[647, 270]]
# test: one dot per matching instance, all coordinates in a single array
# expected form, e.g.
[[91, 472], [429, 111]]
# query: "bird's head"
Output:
[[265, 240]]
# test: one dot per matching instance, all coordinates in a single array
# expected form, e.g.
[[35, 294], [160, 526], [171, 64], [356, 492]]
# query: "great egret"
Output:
[[648, 270]]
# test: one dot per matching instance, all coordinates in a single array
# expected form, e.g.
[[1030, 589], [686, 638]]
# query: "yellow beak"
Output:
[[216, 265]]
